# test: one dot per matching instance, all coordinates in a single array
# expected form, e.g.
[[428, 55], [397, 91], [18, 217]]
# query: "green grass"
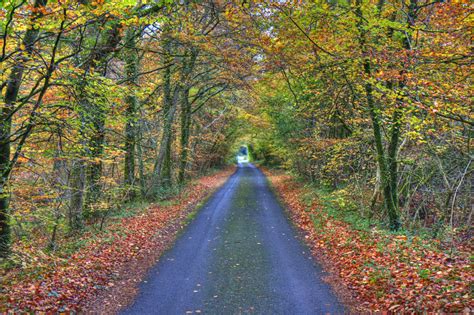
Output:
[[130, 209], [337, 204], [339, 208]]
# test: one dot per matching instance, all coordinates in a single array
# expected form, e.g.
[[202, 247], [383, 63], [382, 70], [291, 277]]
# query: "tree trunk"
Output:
[[13, 87], [162, 168], [96, 149], [186, 114], [131, 71], [141, 166], [76, 203], [386, 167], [85, 182], [185, 132]]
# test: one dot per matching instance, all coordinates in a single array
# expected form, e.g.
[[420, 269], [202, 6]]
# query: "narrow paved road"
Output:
[[239, 255]]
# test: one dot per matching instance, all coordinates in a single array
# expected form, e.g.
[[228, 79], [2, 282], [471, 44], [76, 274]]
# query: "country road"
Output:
[[239, 255]]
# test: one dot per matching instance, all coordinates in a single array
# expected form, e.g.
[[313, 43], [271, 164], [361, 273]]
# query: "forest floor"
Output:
[[240, 255], [383, 271], [102, 273]]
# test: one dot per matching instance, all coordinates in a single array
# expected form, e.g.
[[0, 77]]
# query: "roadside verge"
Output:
[[381, 271], [103, 276]]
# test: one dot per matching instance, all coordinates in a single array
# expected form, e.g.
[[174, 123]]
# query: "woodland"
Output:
[[110, 106]]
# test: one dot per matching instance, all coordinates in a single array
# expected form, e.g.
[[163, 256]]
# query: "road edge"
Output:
[[331, 277], [116, 298]]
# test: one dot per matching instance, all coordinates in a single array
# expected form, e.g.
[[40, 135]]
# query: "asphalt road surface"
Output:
[[240, 255]]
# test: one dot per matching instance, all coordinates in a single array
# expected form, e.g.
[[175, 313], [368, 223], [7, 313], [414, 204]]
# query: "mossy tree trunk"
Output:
[[132, 64], [6, 114], [87, 169], [186, 115], [387, 161]]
